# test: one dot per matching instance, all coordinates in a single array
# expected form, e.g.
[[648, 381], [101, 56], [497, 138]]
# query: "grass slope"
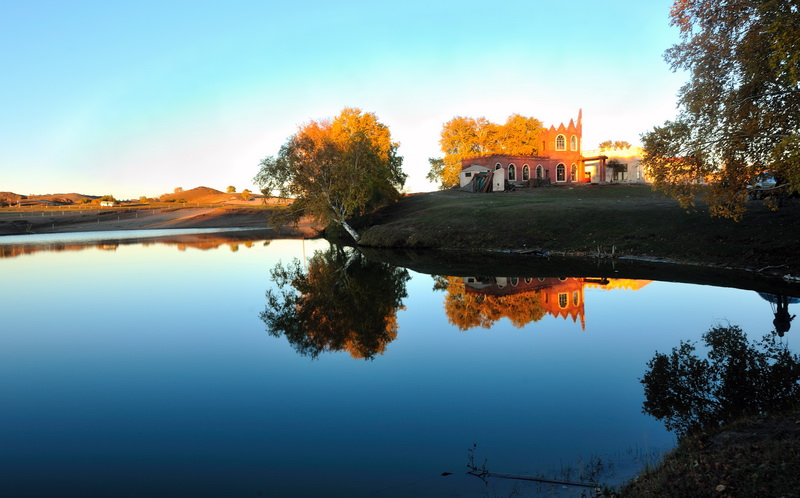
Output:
[[632, 219], [751, 457]]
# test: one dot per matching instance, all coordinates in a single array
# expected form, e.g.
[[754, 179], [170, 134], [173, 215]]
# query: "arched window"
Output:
[[561, 142], [512, 172], [573, 143], [526, 172], [561, 173], [539, 172], [514, 281], [573, 172], [575, 298], [497, 166], [562, 300]]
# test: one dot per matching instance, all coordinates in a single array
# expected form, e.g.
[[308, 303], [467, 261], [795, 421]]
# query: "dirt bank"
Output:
[[752, 457], [90, 220]]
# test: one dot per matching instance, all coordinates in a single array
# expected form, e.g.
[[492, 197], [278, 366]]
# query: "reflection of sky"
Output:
[[149, 361]]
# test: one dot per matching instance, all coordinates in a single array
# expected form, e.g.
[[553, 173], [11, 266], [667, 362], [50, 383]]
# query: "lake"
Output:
[[188, 364]]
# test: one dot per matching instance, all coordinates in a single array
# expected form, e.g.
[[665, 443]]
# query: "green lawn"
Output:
[[632, 219]]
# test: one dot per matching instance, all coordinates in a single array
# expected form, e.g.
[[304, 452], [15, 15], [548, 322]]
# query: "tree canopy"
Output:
[[335, 169], [613, 145], [739, 113], [464, 137]]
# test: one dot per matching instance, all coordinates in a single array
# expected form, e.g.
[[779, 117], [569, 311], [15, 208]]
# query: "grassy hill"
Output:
[[47, 199], [630, 220]]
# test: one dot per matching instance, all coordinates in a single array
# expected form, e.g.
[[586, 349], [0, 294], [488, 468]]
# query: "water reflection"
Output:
[[79, 407], [341, 301], [738, 378], [780, 308], [182, 239], [481, 301]]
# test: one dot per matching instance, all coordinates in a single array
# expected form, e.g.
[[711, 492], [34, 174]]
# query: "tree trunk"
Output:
[[352, 232]]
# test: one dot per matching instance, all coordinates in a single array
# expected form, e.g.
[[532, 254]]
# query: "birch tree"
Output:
[[335, 169]]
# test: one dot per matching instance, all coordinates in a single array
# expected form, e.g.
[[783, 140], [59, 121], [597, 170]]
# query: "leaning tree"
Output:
[[334, 169]]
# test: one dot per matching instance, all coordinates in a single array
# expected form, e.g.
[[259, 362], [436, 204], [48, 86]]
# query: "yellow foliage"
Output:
[[467, 310], [465, 137]]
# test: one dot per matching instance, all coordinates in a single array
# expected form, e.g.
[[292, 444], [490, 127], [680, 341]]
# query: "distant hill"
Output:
[[208, 195], [201, 195], [47, 199], [198, 194], [9, 197]]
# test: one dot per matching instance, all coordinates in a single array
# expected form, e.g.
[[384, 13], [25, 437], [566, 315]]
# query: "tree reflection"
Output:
[[738, 378], [468, 309], [341, 302]]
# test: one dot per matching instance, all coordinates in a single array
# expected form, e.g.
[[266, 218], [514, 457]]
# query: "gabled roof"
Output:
[[476, 167]]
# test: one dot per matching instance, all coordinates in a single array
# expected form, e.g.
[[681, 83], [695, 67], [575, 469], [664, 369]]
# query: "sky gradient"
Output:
[[138, 98]]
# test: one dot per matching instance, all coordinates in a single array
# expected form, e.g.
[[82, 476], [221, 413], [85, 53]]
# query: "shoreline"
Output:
[[406, 229], [94, 220]]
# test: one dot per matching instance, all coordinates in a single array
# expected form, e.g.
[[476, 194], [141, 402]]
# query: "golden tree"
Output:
[[465, 137], [335, 169]]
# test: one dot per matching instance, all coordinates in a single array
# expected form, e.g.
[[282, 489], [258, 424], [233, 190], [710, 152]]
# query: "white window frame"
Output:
[[561, 142]]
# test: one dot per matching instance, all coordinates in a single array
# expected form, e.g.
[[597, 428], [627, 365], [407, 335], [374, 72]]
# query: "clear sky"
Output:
[[138, 98]]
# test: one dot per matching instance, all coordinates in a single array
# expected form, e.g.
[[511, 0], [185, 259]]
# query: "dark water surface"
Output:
[[146, 369]]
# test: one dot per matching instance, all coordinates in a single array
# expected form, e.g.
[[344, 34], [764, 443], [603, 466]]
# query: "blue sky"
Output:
[[138, 98]]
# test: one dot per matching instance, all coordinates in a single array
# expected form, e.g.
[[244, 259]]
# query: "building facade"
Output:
[[559, 160], [621, 165]]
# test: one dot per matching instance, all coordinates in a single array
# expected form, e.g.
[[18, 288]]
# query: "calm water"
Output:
[[148, 369]]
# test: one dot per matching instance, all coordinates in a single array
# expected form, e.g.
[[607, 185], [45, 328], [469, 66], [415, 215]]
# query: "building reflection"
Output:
[[481, 301]]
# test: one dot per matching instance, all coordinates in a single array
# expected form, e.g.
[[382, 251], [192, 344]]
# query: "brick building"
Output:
[[559, 161]]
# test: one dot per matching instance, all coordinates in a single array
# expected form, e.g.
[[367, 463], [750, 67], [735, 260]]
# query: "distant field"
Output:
[[196, 197]]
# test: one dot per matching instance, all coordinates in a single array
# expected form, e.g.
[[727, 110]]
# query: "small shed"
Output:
[[107, 203], [468, 173], [499, 181]]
